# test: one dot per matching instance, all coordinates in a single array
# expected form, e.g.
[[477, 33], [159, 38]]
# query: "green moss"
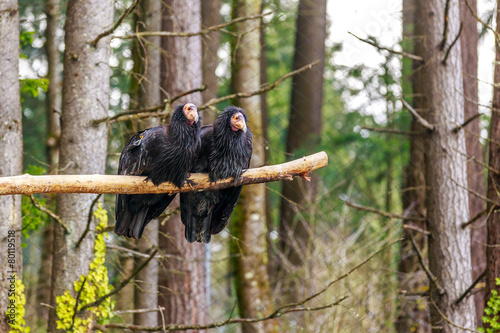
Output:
[[88, 288]]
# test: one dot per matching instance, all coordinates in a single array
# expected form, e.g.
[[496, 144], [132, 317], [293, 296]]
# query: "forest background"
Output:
[[397, 234]]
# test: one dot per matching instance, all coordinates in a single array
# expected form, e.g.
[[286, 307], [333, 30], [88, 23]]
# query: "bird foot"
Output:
[[304, 176]]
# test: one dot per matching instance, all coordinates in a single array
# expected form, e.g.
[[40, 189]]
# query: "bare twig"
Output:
[[482, 22], [173, 327], [382, 213], [27, 184], [448, 320], [116, 24], [121, 285], [76, 304], [390, 131], [424, 123], [453, 43], [191, 34], [465, 123], [144, 255], [426, 269], [404, 54], [47, 211], [414, 228], [120, 312], [89, 221], [468, 290], [445, 29], [474, 219], [151, 109], [262, 90]]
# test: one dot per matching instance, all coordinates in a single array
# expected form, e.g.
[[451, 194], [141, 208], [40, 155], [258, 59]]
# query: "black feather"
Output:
[[162, 154], [224, 153]]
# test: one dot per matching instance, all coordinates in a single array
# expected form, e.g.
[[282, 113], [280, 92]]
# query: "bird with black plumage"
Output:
[[162, 154], [226, 150]]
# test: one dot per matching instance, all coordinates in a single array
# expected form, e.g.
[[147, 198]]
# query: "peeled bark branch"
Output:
[[27, 184]]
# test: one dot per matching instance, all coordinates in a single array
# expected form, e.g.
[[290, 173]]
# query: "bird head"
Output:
[[238, 122], [191, 113]]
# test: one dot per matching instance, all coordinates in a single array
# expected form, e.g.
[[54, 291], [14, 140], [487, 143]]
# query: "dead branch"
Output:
[[465, 123], [453, 43], [151, 109], [116, 24], [120, 312], [48, 212], [174, 327], [28, 184], [448, 320], [121, 285], [471, 287], [414, 228], [191, 34], [475, 218], [287, 308], [424, 123], [382, 213], [404, 54], [433, 279], [390, 131]]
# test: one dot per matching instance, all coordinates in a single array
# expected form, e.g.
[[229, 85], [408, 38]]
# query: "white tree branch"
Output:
[[28, 184]]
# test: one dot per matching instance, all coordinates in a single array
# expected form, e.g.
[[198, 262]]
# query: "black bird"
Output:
[[225, 152], [163, 154]]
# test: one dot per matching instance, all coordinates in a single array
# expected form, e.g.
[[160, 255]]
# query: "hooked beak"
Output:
[[240, 124], [191, 112]]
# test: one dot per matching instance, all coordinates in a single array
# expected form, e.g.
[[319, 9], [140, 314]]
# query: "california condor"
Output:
[[225, 152], [163, 154]]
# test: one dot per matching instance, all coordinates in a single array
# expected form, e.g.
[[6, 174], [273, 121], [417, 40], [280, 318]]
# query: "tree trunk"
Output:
[[83, 146], [475, 175], [182, 287], [413, 315], [210, 16], [493, 223], [249, 226], [446, 167], [11, 152], [53, 107], [146, 282], [298, 196]]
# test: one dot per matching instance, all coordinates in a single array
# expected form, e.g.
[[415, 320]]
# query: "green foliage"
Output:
[[33, 87], [33, 218], [25, 39], [491, 312], [19, 325], [89, 288]]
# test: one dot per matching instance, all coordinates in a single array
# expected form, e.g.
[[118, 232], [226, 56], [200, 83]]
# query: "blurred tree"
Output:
[[303, 137], [446, 168], [53, 109], [493, 222], [412, 313], [11, 148], [249, 225], [83, 145], [148, 91], [475, 176], [210, 16], [182, 284]]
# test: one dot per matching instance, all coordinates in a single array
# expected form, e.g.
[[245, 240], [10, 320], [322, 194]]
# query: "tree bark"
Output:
[[182, 284], [413, 315], [475, 175], [249, 225], [11, 152], [146, 281], [83, 146], [445, 166], [304, 129], [210, 16], [53, 108], [493, 222]]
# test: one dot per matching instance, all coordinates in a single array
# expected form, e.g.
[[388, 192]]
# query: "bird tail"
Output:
[[196, 228], [130, 224]]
